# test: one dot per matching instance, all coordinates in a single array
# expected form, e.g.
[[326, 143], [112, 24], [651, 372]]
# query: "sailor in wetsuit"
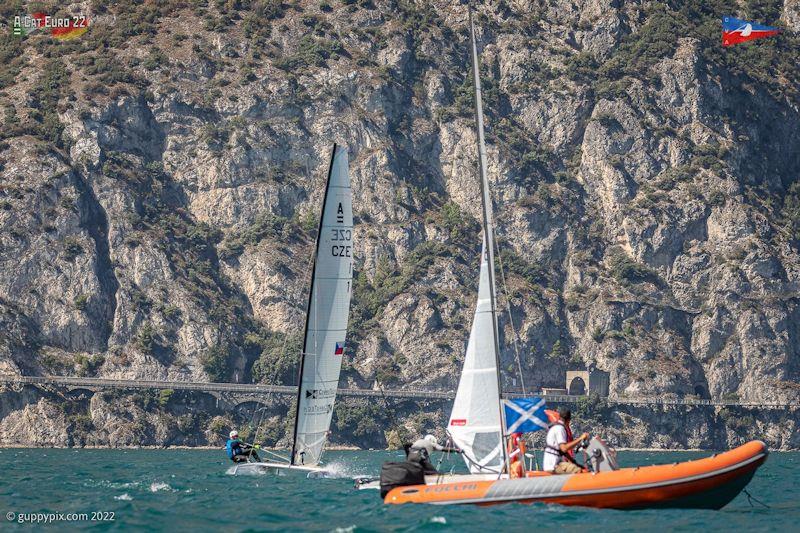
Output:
[[239, 452], [420, 452]]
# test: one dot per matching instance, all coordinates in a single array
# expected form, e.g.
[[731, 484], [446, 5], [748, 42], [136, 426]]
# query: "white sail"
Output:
[[328, 311], [477, 417], [475, 420]]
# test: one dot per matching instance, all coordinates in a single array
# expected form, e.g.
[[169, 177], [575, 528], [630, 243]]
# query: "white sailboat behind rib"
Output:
[[474, 424], [326, 325], [477, 416]]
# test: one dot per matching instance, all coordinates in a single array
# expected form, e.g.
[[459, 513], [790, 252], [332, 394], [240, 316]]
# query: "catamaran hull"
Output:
[[709, 483], [256, 469]]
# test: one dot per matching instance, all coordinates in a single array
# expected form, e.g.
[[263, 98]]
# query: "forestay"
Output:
[[475, 420], [328, 310]]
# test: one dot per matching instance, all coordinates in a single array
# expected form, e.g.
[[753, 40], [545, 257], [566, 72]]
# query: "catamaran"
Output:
[[478, 426], [325, 327]]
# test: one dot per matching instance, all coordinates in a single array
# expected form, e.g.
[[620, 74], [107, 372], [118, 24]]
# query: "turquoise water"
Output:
[[190, 490]]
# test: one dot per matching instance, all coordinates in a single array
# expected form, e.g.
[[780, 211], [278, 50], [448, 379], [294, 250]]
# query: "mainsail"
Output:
[[326, 319], [477, 417], [475, 420]]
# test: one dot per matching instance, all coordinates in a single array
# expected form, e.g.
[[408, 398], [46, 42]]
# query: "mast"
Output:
[[308, 307], [488, 226]]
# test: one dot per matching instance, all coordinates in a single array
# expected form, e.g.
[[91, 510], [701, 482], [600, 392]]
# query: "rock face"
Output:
[[161, 183]]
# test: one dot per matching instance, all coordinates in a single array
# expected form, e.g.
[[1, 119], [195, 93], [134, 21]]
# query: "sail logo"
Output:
[[339, 349], [340, 214], [317, 409], [735, 31], [320, 394], [458, 422]]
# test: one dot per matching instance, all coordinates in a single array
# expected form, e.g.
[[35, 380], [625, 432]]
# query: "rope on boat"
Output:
[[275, 376], [751, 499], [276, 455], [471, 461], [515, 336]]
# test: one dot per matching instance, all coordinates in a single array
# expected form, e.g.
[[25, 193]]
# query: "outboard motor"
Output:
[[601, 458]]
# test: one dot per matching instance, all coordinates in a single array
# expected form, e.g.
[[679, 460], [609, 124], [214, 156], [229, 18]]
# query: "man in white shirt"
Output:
[[556, 452]]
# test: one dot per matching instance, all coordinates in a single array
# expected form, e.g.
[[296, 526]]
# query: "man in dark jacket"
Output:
[[239, 452]]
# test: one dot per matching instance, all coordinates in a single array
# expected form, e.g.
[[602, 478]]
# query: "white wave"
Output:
[[342, 471], [124, 497], [438, 520], [157, 486]]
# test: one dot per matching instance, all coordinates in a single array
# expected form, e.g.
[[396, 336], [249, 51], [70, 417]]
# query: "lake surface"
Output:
[[190, 490]]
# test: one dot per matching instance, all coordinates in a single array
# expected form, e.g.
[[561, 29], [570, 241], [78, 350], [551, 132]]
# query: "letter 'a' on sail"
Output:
[[475, 421], [326, 320]]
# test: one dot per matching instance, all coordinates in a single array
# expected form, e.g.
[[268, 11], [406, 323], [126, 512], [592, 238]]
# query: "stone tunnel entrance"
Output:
[[577, 387]]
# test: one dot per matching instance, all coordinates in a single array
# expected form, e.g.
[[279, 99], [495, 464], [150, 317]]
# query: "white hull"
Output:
[[261, 468]]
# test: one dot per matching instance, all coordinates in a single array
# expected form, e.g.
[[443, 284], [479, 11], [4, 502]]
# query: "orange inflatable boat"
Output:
[[708, 483]]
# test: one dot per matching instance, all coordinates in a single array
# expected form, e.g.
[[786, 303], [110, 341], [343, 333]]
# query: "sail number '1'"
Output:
[[341, 235]]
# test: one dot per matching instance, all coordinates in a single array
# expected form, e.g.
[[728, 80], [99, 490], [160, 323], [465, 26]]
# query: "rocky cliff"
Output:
[[162, 175]]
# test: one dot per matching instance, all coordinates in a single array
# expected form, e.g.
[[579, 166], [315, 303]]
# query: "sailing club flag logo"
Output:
[[524, 415], [735, 31], [339, 349]]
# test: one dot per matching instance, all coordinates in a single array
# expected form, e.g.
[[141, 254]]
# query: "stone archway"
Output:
[[577, 387]]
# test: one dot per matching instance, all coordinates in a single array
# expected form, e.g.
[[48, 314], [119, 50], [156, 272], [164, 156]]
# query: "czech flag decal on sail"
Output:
[[339, 349], [735, 31]]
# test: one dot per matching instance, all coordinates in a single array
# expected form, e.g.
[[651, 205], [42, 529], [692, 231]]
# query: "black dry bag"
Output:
[[400, 475]]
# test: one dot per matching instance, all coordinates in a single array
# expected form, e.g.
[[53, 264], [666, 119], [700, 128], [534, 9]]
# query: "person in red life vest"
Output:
[[516, 456], [559, 450]]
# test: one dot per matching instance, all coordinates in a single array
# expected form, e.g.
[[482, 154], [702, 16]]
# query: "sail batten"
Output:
[[327, 315]]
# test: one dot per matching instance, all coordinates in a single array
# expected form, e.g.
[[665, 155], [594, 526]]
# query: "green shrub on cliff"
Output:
[[164, 397], [43, 101], [88, 365], [459, 225], [279, 359], [626, 270], [591, 408], [389, 281], [639, 51], [72, 249], [215, 363], [310, 52], [145, 339], [80, 424], [364, 420], [791, 209], [80, 301], [265, 226]]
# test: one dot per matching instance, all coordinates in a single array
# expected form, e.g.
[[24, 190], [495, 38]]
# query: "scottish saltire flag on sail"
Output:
[[735, 31], [524, 415]]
